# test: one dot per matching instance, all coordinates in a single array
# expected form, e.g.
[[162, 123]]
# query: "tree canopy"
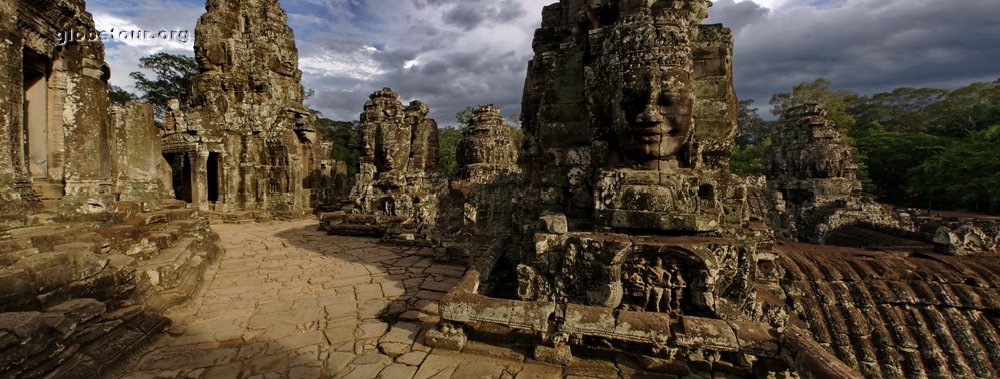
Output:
[[346, 140], [818, 91], [173, 76], [914, 146]]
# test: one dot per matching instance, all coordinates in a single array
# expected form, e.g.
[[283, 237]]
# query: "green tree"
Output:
[[346, 141], [965, 175], [902, 110], [173, 77], [448, 139], [818, 91], [753, 128], [749, 160], [891, 156], [966, 110], [464, 117], [119, 96]]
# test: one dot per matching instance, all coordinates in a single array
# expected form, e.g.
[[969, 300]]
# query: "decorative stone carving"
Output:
[[398, 152], [249, 142], [638, 219], [812, 167], [486, 149]]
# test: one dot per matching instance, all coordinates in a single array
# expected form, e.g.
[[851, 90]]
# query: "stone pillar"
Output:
[[57, 100], [226, 196], [199, 178], [10, 98], [137, 153], [87, 136]]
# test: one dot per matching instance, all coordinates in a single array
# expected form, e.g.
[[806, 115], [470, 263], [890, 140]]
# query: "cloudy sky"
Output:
[[455, 53]]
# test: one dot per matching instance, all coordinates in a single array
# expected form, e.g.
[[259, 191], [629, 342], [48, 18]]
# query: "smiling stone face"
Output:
[[656, 120], [639, 91]]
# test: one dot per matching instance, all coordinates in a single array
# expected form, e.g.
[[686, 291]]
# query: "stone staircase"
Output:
[[79, 296], [47, 189]]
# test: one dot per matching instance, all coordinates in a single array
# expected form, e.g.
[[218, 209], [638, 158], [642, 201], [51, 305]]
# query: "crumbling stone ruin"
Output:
[[247, 144], [487, 178], [396, 183], [59, 141], [811, 166], [633, 238], [90, 253], [638, 220], [486, 149], [818, 199]]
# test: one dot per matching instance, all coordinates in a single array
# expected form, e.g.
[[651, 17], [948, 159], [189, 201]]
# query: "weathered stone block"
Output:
[[55, 269], [554, 224], [79, 310], [448, 341], [560, 355], [16, 289], [22, 324]]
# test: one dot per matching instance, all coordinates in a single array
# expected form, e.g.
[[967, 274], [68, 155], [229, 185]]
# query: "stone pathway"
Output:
[[289, 301]]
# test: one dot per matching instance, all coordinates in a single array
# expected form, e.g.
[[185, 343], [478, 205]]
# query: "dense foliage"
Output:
[[448, 139], [346, 140], [920, 147], [119, 96], [174, 75]]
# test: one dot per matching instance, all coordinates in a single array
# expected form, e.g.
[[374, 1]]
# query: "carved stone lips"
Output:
[[657, 129]]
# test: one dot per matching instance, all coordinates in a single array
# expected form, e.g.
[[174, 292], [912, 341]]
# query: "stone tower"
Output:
[[626, 88], [486, 149], [811, 166], [398, 155], [247, 143], [630, 212]]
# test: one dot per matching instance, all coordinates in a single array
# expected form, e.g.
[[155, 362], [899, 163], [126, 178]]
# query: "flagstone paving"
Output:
[[289, 301]]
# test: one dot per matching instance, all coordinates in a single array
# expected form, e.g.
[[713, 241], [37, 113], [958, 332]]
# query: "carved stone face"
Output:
[[657, 112]]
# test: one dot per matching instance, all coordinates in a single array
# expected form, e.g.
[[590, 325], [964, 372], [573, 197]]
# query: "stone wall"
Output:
[[11, 94], [60, 142], [138, 163]]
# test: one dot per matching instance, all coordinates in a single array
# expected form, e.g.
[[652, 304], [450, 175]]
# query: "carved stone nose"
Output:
[[649, 115]]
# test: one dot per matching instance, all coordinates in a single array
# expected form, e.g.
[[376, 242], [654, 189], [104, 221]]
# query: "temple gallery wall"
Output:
[[614, 229]]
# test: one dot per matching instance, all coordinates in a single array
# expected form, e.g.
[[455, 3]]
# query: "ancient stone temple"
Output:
[[632, 239], [60, 140], [634, 232], [812, 167], [398, 155], [487, 178], [94, 255], [486, 149], [247, 142]]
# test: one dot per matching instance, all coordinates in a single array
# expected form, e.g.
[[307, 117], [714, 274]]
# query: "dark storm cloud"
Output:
[[470, 14], [735, 15], [465, 16], [865, 45], [462, 79]]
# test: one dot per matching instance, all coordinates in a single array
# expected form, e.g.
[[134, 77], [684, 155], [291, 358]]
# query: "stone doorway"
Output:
[[36, 131], [214, 176], [180, 167]]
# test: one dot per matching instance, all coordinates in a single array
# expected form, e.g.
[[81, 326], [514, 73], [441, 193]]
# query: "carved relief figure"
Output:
[[653, 285]]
